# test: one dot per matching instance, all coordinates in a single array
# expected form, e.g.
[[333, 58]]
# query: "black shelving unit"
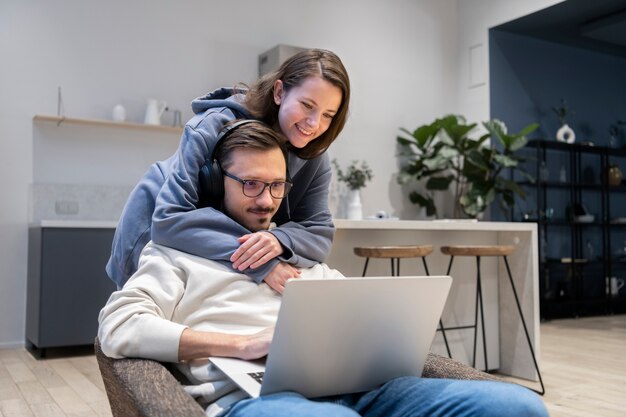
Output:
[[578, 255]]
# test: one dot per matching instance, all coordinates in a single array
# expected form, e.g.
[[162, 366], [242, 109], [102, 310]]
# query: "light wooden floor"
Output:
[[583, 364]]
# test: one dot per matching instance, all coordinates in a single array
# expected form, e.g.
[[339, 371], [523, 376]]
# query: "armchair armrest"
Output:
[[437, 366], [143, 388]]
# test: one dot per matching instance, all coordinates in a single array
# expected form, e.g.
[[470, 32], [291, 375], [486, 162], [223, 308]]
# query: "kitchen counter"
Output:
[[75, 224], [506, 341]]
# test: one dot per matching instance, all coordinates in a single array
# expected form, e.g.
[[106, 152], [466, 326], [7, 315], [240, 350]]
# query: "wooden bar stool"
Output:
[[479, 251], [395, 253]]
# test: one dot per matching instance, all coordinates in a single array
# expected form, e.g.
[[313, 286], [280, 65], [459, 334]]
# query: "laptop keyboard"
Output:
[[258, 376]]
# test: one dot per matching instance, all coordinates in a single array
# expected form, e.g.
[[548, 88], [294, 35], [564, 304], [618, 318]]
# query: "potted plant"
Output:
[[443, 153], [565, 133], [355, 177]]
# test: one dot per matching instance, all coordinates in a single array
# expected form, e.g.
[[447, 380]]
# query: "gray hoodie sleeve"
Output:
[[306, 229]]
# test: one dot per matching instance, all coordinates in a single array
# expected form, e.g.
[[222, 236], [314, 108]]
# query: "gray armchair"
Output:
[[146, 388]]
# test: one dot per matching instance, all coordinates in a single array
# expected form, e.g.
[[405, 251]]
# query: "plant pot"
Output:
[[355, 209]]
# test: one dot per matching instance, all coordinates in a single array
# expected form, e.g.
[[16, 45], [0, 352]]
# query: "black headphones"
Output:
[[211, 185]]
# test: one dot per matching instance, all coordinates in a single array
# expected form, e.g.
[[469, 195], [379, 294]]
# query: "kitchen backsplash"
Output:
[[77, 201]]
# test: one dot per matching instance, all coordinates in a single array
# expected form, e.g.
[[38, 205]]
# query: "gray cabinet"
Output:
[[67, 285]]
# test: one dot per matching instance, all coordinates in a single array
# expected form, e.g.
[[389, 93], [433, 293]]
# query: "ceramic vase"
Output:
[[154, 110], [565, 134], [119, 113], [355, 209]]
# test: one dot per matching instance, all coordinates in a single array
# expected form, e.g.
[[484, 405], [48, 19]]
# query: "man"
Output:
[[182, 308]]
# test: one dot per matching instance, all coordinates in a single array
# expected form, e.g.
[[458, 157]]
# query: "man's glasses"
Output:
[[254, 188]]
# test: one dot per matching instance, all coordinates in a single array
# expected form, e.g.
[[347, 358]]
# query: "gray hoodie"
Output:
[[164, 205]]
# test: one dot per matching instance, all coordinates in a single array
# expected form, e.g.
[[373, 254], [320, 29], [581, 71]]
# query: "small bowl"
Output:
[[585, 218]]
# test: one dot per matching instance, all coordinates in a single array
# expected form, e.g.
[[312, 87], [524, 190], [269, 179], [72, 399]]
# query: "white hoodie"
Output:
[[173, 290]]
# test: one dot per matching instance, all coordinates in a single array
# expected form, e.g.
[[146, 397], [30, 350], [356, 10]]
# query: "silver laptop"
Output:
[[337, 336]]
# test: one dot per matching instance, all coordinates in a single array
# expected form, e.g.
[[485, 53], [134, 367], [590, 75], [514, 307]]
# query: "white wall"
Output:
[[402, 56]]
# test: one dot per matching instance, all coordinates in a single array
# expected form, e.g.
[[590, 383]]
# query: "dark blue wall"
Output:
[[529, 76]]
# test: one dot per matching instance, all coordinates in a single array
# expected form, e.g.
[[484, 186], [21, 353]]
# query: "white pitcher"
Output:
[[154, 110]]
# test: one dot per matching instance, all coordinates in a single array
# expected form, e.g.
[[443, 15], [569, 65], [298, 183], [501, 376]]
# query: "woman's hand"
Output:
[[255, 250], [279, 275]]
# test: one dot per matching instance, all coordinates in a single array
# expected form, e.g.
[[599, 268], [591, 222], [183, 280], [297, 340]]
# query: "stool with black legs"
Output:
[[394, 254], [479, 251]]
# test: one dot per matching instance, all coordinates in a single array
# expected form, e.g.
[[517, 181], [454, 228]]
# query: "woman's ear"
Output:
[[278, 92]]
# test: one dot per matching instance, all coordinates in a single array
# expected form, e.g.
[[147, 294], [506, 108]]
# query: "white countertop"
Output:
[[75, 224], [450, 224]]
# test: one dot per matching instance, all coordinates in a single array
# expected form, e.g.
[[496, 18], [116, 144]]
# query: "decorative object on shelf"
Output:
[[565, 133], [119, 113], [614, 175], [614, 132], [562, 174], [589, 251], [60, 105], [443, 153], [579, 213], [614, 284], [584, 218], [355, 177], [176, 116], [154, 110]]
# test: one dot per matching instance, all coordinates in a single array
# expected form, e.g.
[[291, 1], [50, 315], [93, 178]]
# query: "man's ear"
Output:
[[278, 92]]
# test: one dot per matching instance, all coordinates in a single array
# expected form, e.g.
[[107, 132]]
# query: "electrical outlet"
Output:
[[66, 207]]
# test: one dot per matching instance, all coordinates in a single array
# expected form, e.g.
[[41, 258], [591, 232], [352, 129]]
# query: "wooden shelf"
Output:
[[59, 120]]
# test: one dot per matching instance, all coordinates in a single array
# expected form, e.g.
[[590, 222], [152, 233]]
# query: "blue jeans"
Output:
[[407, 396]]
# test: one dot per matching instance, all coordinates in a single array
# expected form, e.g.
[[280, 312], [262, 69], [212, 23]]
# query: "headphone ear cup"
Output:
[[211, 184], [217, 183]]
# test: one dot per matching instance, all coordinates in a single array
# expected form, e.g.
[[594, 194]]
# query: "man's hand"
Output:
[[279, 275], [255, 250], [257, 345]]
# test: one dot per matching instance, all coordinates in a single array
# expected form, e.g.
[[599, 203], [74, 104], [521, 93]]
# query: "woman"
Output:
[[306, 99]]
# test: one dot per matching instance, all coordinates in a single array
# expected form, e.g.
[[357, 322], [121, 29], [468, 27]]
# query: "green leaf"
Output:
[[505, 161], [423, 201], [528, 129], [424, 134], [404, 141], [439, 183], [511, 186]]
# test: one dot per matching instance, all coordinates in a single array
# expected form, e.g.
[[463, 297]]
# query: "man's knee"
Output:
[[500, 398], [423, 397]]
